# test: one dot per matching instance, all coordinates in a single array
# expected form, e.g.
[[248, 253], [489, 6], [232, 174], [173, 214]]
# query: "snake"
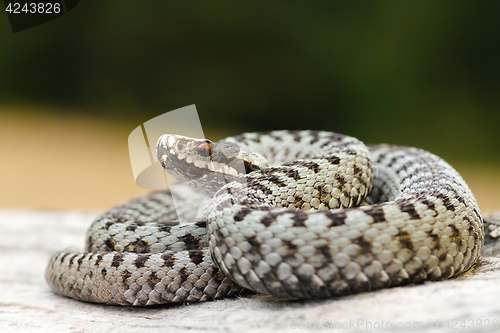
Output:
[[295, 214]]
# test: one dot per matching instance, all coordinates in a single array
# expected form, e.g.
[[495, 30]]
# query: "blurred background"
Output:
[[424, 74]]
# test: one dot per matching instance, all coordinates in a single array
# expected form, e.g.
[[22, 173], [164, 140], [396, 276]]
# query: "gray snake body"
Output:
[[275, 227]]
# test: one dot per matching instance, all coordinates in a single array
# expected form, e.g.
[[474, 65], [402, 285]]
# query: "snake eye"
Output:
[[204, 149]]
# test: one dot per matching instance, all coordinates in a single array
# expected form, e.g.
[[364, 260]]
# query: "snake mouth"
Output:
[[189, 159]]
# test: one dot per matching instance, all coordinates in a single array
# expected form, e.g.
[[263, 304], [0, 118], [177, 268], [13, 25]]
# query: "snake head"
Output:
[[204, 164]]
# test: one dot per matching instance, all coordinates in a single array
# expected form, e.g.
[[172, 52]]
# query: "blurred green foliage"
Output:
[[421, 73]]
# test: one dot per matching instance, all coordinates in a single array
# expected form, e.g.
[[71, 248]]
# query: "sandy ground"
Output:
[[51, 160]]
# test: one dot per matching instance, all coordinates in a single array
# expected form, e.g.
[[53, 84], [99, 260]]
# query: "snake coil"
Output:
[[300, 214]]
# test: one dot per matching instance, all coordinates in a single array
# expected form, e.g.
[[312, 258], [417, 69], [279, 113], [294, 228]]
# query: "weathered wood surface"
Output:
[[28, 238]]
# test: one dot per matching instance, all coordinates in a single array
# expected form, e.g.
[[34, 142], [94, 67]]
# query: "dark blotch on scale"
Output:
[[365, 244], [61, 259], [71, 260], [132, 227], [430, 205], [141, 260], [337, 217], [117, 260], [446, 202], [292, 174], [270, 218], [79, 261], [165, 227], [168, 259], [334, 159], [405, 240], [455, 231], [139, 246], [196, 256], [275, 180], [350, 152], [319, 188], [153, 280], [357, 171], [183, 275], [410, 210], [312, 166], [192, 242], [110, 244], [244, 211], [377, 213], [258, 186], [299, 218]]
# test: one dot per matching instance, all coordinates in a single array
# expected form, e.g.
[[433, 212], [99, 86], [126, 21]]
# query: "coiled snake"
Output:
[[299, 214]]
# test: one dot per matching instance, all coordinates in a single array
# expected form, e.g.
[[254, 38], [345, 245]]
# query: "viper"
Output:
[[296, 214]]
